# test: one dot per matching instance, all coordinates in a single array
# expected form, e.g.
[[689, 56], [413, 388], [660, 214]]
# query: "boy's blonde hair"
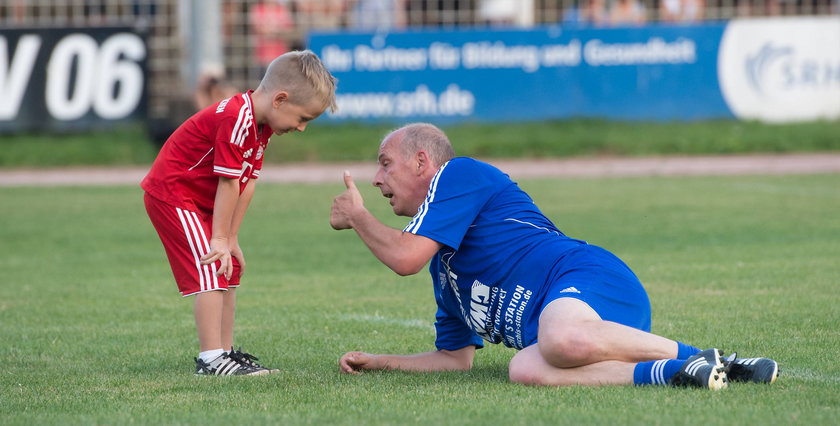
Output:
[[304, 76]]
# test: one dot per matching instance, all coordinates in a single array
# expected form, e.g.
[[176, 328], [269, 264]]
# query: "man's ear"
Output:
[[422, 161], [280, 98]]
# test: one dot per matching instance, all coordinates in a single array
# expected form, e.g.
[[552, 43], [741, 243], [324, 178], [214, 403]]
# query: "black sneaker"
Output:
[[756, 370], [224, 365], [703, 370], [249, 361]]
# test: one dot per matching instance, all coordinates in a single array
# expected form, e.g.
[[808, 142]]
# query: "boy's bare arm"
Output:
[[238, 215], [227, 196], [241, 207]]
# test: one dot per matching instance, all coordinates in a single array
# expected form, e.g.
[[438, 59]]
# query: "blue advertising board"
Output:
[[643, 73]]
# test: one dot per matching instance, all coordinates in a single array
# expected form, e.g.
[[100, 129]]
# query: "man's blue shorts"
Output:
[[601, 280]]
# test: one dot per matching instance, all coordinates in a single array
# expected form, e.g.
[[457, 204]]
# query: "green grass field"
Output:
[[94, 331], [129, 145]]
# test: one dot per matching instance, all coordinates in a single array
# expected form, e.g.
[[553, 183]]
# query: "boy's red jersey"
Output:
[[220, 140]]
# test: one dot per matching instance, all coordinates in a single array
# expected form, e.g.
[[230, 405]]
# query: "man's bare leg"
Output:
[[572, 334], [529, 367]]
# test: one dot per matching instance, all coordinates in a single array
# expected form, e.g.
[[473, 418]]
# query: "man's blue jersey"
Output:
[[500, 253]]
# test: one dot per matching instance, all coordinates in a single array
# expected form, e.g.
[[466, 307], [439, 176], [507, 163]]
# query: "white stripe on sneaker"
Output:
[[228, 368], [695, 365]]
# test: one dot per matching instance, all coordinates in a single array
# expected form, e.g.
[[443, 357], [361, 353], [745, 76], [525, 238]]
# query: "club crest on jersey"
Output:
[[249, 152], [260, 152]]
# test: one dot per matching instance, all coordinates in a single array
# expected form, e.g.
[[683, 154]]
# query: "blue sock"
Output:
[[685, 351], [656, 372]]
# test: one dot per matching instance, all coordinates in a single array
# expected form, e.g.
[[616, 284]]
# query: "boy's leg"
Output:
[[229, 306], [184, 237], [214, 320], [209, 317], [228, 315]]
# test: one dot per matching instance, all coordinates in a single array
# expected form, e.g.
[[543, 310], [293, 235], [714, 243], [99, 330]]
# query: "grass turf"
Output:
[[352, 142], [94, 331]]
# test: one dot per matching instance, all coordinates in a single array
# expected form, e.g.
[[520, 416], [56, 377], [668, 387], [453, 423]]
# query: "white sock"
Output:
[[210, 355]]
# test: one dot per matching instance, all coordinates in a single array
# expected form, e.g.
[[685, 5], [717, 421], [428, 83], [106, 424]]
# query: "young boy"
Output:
[[202, 182]]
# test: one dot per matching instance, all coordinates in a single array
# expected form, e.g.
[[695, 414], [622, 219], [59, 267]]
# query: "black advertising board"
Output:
[[59, 79]]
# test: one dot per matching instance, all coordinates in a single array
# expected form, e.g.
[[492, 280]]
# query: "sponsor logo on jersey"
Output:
[[479, 306], [222, 105]]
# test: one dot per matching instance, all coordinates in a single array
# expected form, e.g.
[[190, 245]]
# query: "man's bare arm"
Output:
[[442, 360], [405, 253]]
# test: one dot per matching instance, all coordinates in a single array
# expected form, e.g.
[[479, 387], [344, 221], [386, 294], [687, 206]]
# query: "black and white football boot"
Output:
[[703, 370], [224, 365], [249, 361], [755, 370]]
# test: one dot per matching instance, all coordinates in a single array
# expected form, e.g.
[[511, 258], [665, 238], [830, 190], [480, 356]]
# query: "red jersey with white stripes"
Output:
[[220, 140]]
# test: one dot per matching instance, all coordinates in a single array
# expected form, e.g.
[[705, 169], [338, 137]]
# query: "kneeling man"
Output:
[[502, 272]]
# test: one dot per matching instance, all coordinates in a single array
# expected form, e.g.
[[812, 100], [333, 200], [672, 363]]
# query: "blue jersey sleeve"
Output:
[[456, 195]]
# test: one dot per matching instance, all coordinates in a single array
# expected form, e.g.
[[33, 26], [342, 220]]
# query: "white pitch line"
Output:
[[806, 374], [376, 318]]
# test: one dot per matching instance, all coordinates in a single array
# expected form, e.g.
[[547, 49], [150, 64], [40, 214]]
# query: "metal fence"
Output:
[[250, 32]]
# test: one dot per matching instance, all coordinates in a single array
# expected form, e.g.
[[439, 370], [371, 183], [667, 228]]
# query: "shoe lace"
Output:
[[244, 358], [730, 366], [202, 366], [678, 380]]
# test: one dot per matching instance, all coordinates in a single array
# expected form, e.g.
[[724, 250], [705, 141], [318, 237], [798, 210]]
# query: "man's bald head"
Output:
[[416, 137]]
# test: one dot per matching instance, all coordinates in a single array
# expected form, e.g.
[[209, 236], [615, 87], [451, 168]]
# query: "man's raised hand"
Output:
[[345, 204]]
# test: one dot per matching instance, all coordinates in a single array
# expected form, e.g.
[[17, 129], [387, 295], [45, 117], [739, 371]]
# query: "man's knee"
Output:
[[565, 337], [567, 346], [529, 368]]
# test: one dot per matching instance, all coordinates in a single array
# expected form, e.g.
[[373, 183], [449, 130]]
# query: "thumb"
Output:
[[348, 180]]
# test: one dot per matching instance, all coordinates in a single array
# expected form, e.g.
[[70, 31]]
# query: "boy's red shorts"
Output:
[[185, 236]]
